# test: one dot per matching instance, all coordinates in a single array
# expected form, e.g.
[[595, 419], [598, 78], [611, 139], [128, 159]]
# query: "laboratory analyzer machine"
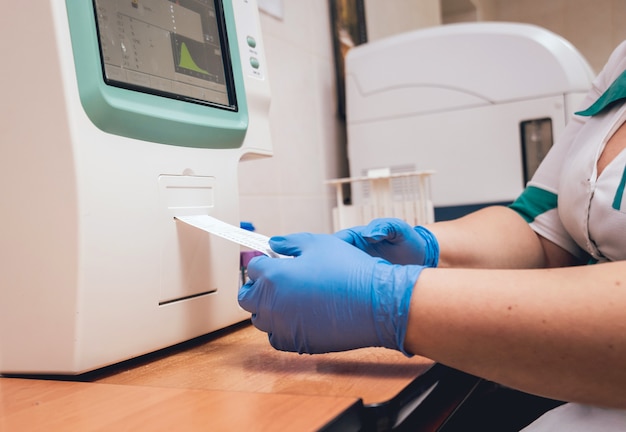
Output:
[[118, 116], [478, 103]]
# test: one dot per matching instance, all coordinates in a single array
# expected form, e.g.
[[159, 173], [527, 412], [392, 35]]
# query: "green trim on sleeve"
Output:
[[533, 202]]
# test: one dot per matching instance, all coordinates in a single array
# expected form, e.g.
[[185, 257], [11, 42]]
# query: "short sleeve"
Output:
[[538, 203]]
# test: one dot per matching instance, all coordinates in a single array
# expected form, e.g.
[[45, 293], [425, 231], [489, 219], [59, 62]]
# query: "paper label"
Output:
[[249, 239]]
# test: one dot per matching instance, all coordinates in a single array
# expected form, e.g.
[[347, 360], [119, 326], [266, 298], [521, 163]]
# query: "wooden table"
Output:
[[48, 406], [241, 359], [237, 371]]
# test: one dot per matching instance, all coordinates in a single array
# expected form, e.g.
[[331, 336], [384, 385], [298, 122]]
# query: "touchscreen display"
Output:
[[173, 48]]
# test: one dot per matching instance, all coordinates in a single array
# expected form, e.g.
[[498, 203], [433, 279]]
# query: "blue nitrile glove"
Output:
[[330, 297], [394, 240]]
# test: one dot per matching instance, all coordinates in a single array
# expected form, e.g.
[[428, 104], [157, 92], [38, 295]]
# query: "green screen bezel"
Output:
[[146, 116]]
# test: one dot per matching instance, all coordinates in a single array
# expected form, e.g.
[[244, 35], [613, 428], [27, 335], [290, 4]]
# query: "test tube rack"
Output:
[[380, 193]]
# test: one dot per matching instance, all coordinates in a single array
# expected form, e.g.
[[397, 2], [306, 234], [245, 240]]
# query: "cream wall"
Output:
[[287, 193], [388, 17], [595, 27]]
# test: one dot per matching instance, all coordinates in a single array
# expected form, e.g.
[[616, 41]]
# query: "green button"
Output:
[[254, 62], [251, 42]]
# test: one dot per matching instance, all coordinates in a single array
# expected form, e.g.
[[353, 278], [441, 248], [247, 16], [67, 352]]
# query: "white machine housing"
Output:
[[452, 98], [94, 269]]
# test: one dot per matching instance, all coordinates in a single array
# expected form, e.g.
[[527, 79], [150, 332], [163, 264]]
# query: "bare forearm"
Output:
[[542, 331], [495, 237]]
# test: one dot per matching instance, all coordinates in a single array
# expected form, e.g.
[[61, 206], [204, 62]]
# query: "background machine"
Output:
[[118, 116], [478, 103]]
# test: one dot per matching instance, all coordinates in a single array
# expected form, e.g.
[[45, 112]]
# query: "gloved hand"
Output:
[[394, 240], [330, 297]]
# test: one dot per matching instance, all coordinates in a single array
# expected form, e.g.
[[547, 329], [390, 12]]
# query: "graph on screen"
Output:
[[192, 58], [170, 48]]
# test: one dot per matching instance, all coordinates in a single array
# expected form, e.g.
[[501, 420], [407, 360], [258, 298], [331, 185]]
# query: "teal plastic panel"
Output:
[[146, 116]]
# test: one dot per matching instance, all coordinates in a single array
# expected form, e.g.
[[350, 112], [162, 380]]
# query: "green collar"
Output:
[[615, 92]]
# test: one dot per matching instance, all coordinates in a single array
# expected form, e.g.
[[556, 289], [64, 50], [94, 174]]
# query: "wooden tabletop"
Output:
[[49, 406], [229, 380], [241, 359]]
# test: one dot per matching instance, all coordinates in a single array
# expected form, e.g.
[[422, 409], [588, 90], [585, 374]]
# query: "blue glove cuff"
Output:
[[431, 253], [393, 286]]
